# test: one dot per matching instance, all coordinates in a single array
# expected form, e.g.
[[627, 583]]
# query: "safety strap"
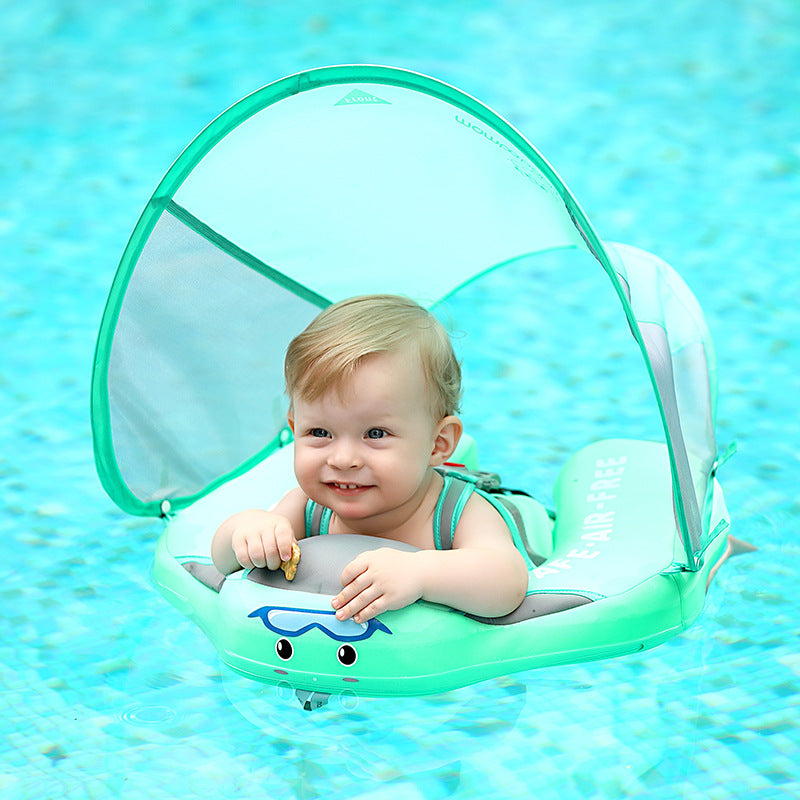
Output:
[[489, 486], [521, 539]]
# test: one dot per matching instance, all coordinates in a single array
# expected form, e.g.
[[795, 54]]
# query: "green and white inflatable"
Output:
[[357, 179]]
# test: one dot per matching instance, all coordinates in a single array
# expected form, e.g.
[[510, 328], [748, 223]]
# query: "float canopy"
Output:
[[331, 183]]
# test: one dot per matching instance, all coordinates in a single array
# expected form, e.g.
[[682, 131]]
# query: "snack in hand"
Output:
[[290, 567]]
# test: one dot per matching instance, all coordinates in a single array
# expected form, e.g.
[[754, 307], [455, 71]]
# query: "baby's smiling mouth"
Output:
[[342, 486]]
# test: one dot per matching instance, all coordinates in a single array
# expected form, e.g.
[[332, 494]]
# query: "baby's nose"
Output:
[[344, 455]]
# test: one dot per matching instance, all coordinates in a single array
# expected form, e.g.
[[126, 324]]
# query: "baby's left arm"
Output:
[[484, 573]]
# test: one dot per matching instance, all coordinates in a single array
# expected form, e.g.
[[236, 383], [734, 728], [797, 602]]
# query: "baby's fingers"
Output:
[[357, 590], [356, 568], [283, 540], [249, 551], [352, 601], [256, 548]]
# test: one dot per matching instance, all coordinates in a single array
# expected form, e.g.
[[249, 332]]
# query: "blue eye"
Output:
[[376, 433], [318, 433]]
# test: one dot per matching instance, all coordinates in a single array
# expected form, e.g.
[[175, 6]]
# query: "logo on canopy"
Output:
[[357, 97]]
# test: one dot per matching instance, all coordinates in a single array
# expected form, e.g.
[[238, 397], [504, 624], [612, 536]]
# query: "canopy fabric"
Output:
[[327, 184]]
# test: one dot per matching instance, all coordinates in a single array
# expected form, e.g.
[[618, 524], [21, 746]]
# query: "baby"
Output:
[[374, 387]]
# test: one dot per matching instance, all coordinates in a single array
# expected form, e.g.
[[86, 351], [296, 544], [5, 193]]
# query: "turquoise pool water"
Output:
[[678, 129]]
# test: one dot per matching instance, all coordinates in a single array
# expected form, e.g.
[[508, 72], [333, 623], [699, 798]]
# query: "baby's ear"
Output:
[[448, 432], [290, 420]]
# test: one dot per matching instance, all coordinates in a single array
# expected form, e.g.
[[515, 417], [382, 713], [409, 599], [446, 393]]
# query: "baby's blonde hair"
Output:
[[337, 341]]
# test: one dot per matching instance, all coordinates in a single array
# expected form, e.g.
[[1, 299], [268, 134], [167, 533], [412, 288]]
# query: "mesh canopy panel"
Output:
[[327, 184], [192, 367], [680, 351]]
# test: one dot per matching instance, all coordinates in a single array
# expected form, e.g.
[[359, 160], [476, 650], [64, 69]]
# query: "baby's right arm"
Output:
[[257, 538]]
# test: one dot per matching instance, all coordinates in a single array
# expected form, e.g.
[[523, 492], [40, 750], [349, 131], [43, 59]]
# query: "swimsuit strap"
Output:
[[451, 503], [318, 519], [532, 558], [457, 490], [449, 507]]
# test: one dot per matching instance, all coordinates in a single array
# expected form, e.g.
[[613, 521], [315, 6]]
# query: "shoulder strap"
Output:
[[318, 519], [456, 492], [518, 532], [453, 498]]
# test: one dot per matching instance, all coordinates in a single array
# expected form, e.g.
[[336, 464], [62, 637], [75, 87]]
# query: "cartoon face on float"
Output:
[[292, 626], [295, 637], [280, 636]]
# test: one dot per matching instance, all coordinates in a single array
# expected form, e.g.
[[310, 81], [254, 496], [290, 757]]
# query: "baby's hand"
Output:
[[259, 538], [377, 581]]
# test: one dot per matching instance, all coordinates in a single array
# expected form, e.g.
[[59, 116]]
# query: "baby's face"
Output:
[[365, 449]]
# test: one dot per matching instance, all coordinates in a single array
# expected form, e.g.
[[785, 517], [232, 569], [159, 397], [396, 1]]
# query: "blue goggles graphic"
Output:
[[297, 621]]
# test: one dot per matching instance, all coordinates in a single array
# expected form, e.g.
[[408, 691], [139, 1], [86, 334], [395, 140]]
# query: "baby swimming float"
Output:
[[594, 591], [357, 179]]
